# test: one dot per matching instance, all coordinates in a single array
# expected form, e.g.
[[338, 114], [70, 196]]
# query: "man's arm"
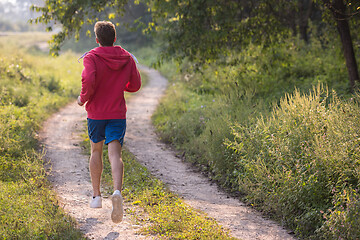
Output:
[[134, 83], [87, 81]]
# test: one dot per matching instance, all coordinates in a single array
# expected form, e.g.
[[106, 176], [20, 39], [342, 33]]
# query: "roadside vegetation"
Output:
[[277, 126], [32, 86]]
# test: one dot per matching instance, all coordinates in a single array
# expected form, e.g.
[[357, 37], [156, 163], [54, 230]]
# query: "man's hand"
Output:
[[79, 101]]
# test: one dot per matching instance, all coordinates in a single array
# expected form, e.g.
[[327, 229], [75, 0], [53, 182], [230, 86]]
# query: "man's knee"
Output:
[[97, 147]]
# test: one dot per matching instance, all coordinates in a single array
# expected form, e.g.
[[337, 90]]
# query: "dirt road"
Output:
[[71, 180]]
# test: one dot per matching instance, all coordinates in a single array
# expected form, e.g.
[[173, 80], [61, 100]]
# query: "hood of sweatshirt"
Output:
[[114, 57]]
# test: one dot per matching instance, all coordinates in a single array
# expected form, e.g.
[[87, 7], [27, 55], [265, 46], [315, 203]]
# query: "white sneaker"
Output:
[[96, 202], [118, 210]]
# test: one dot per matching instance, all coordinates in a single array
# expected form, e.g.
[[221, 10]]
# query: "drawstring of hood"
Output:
[[82, 56], [132, 55]]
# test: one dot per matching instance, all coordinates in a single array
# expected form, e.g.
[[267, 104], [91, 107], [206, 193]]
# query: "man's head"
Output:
[[105, 33]]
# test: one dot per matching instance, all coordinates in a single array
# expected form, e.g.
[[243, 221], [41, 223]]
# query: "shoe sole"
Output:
[[96, 206], [118, 211]]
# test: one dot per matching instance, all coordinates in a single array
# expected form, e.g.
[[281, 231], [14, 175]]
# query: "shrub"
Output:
[[343, 220], [296, 162], [53, 85]]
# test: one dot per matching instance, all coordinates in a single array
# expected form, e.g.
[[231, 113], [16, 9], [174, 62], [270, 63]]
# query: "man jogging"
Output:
[[108, 71]]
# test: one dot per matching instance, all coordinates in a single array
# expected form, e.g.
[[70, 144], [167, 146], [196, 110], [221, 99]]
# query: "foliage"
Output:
[[32, 86], [341, 222], [129, 35], [78, 17], [156, 209], [297, 161], [29, 210], [295, 158], [218, 24], [206, 30]]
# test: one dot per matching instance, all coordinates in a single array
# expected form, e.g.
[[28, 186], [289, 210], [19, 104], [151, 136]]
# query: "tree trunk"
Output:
[[305, 8], [339, 11]]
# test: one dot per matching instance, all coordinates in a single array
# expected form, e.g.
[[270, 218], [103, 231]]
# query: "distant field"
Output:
[[22, 40]]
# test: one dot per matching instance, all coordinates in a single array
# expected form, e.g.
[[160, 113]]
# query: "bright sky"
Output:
[[5, 1], [18, 9]]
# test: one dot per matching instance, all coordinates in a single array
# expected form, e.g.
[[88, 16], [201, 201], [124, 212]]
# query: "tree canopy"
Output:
[[73, 15], [206, 30]]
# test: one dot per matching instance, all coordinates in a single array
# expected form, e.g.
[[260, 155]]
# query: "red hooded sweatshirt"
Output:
[[108, 72]]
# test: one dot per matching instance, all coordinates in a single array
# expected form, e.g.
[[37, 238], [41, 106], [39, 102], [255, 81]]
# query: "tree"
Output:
[[341, 12], [204, 30], [74, 15], [305, 7]]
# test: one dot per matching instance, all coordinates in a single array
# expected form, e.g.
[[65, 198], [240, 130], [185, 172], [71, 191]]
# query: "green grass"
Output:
[[32, 86], [256, 126]]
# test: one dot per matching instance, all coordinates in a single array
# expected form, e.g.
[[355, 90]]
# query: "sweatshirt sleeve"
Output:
[[134, 83], [87, 79]]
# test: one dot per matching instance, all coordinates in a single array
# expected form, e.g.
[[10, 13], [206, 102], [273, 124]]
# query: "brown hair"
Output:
[[105, 32]]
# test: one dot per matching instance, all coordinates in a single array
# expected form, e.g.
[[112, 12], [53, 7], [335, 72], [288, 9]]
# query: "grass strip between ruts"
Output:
[[151, 205], [158, 211]]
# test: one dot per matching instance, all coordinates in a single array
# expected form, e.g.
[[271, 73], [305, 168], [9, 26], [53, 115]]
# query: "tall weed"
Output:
[[294, 163]]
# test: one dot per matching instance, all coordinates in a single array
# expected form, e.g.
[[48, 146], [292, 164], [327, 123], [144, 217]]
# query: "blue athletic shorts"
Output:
[[108, 130]]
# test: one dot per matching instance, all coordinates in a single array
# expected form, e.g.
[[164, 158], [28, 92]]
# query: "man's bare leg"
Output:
[[117, 165], [96, 166], [117, 169]]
